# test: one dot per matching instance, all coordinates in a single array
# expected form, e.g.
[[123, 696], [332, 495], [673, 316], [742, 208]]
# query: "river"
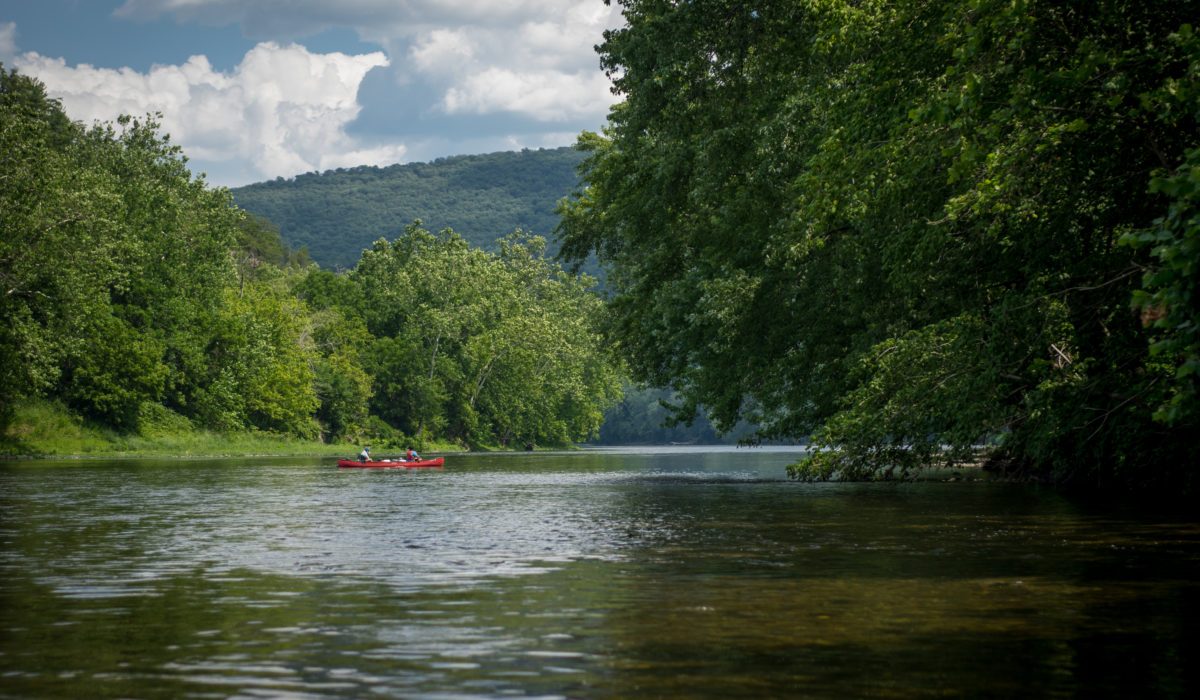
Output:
[[618, 573]]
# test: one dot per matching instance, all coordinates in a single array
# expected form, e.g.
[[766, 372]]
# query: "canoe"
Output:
[[351, 464]]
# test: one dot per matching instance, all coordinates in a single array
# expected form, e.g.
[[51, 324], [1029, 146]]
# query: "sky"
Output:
[[258, 89]]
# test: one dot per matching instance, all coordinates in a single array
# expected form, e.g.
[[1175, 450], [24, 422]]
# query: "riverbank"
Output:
[[46, 431]]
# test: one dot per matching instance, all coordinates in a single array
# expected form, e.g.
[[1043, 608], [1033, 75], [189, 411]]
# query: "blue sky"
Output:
[[258, 89]]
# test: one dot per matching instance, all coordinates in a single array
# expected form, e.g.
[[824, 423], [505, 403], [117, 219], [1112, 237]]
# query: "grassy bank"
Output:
[[49, 430]]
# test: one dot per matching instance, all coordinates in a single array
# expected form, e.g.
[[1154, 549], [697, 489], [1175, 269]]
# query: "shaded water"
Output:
[[623, 573]]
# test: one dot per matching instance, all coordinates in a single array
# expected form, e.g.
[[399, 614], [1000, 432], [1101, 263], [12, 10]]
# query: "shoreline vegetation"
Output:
[[43, 430], [906, 229], [898, 231], [46, 431], [144, 303]]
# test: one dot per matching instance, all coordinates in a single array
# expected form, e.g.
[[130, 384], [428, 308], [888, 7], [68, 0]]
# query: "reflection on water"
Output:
[[621, 573]]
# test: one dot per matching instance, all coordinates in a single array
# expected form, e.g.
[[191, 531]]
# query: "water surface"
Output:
[[682, 572]]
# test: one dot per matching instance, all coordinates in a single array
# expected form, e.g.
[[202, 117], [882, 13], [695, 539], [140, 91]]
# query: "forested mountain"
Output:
[[339, 213]]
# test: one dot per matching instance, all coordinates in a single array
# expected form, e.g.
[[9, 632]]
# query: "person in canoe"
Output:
[[365, 455], [411, 455]]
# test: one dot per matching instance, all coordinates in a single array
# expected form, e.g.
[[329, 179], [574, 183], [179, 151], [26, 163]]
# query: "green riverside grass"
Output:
[[46, 429]]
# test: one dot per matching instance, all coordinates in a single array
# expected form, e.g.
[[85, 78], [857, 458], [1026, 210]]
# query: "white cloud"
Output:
[[444, 52], [282, 111], [8, 40], [542, 64], [285, 110], [548, 96], [540, 51]]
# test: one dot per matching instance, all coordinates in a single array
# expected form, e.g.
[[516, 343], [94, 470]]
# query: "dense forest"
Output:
[[137, 297], [914, 230], [916, 234], [337, 214]]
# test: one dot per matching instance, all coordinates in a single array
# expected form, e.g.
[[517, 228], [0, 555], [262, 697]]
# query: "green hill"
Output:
[[339, 213]]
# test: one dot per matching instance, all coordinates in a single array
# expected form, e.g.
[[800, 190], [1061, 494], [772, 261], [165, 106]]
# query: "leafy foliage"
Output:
[[54, 217], [111, 254], [896, 225], [1169, 298], [143, 302], [484, 348]]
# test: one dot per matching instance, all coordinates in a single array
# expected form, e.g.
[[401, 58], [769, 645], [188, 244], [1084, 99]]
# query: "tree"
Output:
[[169, 248], [483, 348], [115, 261], [1168, 296], [343, 386], [424, 292], [895, 225], [259, 245], [538, 371], [54, 216]]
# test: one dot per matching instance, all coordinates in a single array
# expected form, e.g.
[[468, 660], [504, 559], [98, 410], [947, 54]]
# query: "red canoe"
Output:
[[401, 464]]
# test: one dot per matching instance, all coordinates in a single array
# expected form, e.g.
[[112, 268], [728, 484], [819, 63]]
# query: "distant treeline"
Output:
[[644, 417], [337, 214]]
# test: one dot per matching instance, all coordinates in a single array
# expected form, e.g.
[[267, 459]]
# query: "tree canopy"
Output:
[[909, 229], [112, 258], [486, 348], [137, 296]]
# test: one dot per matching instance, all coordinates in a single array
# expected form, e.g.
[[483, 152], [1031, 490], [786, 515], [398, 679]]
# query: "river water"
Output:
[[624, 573]]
